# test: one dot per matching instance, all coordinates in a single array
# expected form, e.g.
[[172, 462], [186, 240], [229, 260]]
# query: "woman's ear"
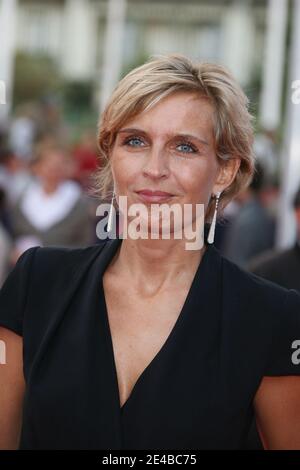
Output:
[[226, 173]]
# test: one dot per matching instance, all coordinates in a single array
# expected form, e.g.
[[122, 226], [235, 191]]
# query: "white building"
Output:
[[72, 32]]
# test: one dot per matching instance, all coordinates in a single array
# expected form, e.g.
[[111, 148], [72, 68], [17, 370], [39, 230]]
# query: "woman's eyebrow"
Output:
[[192, 136], [186, 136], [131, 129]]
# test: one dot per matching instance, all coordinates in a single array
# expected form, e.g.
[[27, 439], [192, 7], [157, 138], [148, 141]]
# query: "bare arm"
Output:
[[12, 386], [277, 410]]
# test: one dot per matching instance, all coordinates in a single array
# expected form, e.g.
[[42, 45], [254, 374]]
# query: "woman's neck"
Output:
[[155, 265]]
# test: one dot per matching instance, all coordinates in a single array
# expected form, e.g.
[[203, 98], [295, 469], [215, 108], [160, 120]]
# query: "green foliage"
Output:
[[34, 77], [78, 94], [139, 60]]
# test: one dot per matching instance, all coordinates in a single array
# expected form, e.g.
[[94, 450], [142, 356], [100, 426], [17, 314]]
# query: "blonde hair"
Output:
[[162, 75]]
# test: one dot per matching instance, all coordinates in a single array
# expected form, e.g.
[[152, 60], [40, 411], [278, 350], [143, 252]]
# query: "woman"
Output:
[[142, 343]]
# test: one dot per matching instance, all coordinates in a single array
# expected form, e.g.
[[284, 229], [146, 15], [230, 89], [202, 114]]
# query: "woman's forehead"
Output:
[[174, 115]]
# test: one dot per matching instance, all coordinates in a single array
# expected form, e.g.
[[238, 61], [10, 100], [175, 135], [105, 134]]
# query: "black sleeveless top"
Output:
[[196, 393]]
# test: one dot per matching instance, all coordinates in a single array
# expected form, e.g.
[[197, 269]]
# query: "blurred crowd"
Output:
[[46, 190]]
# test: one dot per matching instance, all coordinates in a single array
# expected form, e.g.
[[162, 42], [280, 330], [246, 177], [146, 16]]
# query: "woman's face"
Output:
[[169, 148]]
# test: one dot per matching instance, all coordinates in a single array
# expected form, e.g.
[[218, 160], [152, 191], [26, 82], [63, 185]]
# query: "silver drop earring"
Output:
[[211, 234], [111, 211]]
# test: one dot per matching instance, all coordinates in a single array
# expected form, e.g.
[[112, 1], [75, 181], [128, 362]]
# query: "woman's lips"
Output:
[[154, 196]]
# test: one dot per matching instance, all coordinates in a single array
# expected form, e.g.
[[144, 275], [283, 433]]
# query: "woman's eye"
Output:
[[187, 148], [137, 141], [132, 139]]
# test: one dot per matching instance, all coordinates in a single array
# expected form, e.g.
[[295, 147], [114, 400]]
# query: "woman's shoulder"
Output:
[[60, 257], [257, 300], [41, 265], [253, 286], [266, 313], [42, 274]]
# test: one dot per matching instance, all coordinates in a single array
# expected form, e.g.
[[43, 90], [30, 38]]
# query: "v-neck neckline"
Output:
[[108, 252]]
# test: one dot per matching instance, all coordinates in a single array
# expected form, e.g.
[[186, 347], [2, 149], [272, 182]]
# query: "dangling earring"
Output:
[[211, 234], [110, 215]]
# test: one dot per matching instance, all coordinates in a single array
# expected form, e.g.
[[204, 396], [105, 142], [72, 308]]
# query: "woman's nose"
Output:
[[156, 164]]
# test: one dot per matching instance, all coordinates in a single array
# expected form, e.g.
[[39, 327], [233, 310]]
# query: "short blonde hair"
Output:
[[162, 75]]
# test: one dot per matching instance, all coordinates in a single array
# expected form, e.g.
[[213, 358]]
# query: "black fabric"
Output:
[[196, 393], [281, 267]]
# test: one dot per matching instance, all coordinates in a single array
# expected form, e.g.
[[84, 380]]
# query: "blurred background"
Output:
[[59, 62]]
